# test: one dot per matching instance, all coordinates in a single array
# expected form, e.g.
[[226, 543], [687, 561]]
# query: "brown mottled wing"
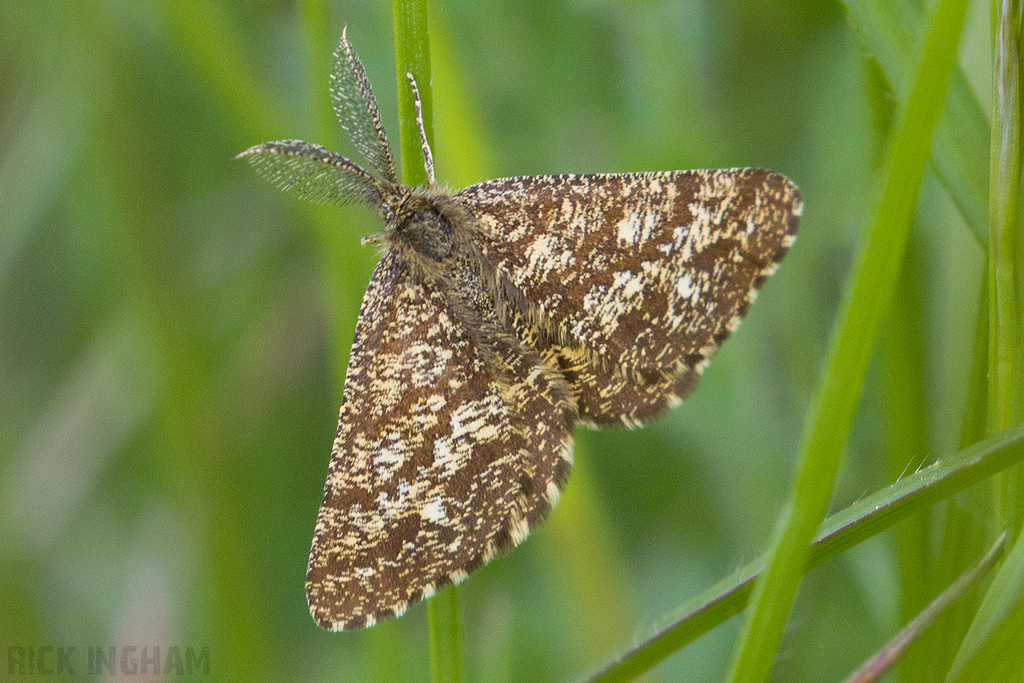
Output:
[[449, 447], [647, 272], [609, 397]]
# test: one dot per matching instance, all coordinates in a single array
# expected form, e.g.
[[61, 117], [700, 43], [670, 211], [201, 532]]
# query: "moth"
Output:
[[498, 318]]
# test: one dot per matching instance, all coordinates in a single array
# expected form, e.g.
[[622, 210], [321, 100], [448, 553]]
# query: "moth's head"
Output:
[[416, 225]]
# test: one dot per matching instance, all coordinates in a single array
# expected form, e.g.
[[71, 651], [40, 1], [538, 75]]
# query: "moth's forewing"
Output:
[[650, 271], [436, 466]]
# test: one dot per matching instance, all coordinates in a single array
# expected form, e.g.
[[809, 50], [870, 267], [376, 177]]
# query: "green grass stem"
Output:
[[1004, 311], [1004, 319], [412, 55]]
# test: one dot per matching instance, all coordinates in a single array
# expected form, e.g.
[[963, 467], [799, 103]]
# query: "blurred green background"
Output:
[[174, 330]]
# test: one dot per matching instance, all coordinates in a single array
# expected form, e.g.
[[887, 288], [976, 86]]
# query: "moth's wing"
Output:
[[607, 396], [439, 463], [648, 272], [604, 395]]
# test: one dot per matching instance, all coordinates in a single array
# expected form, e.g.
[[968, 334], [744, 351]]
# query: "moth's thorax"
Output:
[[440, 240]]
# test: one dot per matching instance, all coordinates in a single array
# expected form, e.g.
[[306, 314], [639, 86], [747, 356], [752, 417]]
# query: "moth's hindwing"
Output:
[[641, 276], [452, 441], [608, 396]]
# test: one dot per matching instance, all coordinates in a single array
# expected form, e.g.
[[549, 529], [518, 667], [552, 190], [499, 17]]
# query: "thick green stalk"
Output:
[[868, 294], [444, 619], [412, 55]]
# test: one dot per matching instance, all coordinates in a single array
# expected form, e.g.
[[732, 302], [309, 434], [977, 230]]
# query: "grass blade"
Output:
[[1004, 352], [869, 292], [836, 535], [1003, 596], [890, 31], [882, 661]]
